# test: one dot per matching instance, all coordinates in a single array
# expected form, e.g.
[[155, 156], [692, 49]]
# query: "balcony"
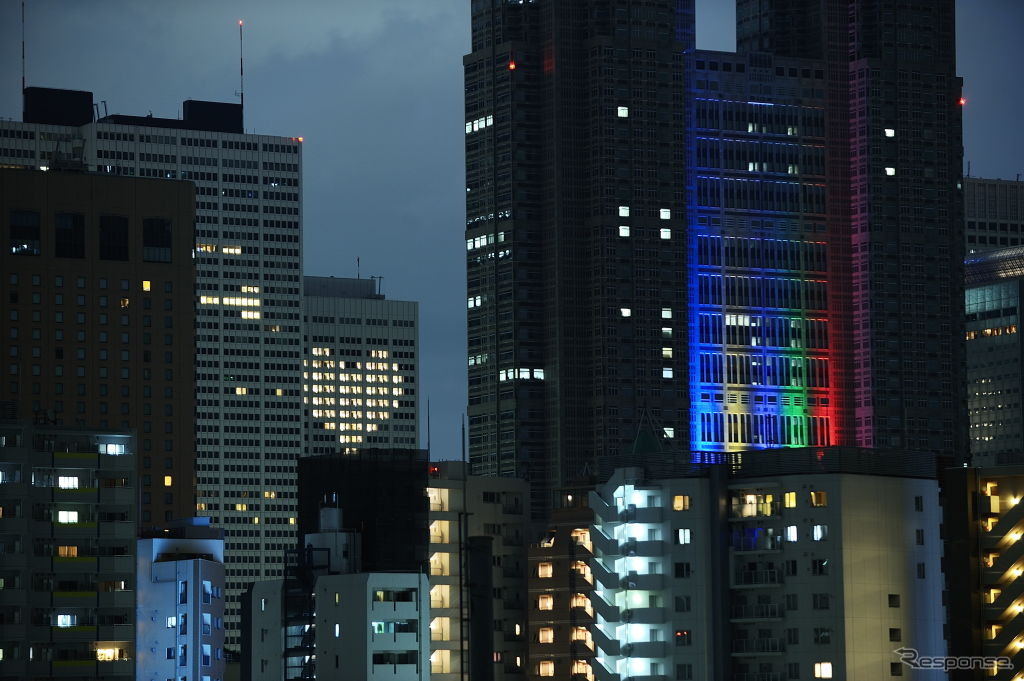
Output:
[[757, 646], [757, 578], [766, 611]]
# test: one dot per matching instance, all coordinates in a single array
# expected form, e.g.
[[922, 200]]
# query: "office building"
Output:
[[984, 562], [562, 159], [628, 198], [359, 372], [478, 538], [994, 355], [180, 602], [248, 289], [993, 214], [808, 563], [98, 316], [67, 553]]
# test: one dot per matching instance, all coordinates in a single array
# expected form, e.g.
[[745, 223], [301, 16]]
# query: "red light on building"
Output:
[[511, 64], [963, 100]]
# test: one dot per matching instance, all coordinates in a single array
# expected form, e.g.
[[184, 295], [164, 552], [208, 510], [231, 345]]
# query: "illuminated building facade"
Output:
[[761, 249], [759, 318], [803, 564], [248, 255], [984, 523], [478, 531], [994, 356], [68, 499], [360, 371]]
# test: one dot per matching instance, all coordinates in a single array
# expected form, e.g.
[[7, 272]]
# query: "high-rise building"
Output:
[[180, 602], [248, 255], [993, 214], [576, 216], [753, 250], [994, 356], [67, 553], [98, 316], [360, 371]]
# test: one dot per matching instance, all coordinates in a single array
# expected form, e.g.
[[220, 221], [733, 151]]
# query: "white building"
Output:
[[816, 565], [180, 603], [360, 371], [249, 300], [325, 617]]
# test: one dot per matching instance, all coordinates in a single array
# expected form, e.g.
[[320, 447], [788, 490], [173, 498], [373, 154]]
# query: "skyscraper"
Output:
[[360, 371], [750, 250], [248, 255], [575, 225]]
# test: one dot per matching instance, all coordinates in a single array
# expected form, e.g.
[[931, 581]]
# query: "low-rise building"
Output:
[[180, 602]]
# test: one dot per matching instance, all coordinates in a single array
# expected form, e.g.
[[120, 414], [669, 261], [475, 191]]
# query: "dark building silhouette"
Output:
[[381, 494]]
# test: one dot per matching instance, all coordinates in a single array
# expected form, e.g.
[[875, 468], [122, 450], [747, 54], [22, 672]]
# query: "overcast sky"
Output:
[[375, 88]]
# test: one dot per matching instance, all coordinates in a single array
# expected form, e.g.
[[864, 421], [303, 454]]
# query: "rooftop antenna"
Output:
[[428, 427], [241, 72], [357, 267]]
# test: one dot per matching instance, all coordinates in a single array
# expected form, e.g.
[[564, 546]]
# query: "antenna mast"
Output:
[[241, 72]]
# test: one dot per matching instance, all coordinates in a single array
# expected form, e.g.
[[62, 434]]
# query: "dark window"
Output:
[[156, 240], [69, 235], [113, 237], [894, 600], [895, 635], [895, 669], [24, 232]]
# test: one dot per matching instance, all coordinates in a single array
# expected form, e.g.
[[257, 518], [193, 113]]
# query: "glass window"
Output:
[[24, 235], [156, 240], [69, 235], [113, 237]]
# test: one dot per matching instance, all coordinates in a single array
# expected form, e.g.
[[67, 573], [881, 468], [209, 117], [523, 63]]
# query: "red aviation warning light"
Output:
[[511, 64], [963, 100]]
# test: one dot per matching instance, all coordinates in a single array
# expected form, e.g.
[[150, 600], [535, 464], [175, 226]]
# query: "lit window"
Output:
[[666, 332], [681, 502], [337, 630], [666, 313], [623, 211], [546, 668], [172, 622], [67, 551], [791, 534], [106, 654], [669, 432], [545, 570], [789, 499], [819, 498], [819, 532], [168, 481], [684, 536], [67, 482], [890, 171], [623, 112], [67, 516], [67, 620], [124, 302], [546, 635], [625, 312], [666, 214], [666, 233], [667, 372], [823, 670], [623, 230], [666, 353], [545, 602], [889, 132]]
